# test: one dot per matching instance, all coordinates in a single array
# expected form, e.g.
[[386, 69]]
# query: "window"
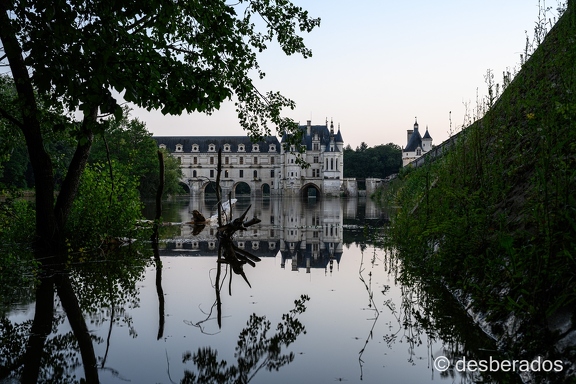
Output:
[[226, 160], [179, 160], [418, 152], [241, 148], [241, 173], [178, 147], [194, 174], [211, 173], [272, 173], [241, 160], [272, 148], [226, 147], [255, 148], [316, 146], [255, 160], [226, 173], [194, 147], [272, 160], [255, 174], [195, 160], [211, 148], [162, 146], [316, 159], [211, 159]]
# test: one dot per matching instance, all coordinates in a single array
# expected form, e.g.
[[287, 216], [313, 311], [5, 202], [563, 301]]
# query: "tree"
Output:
[[128, 142], [173, 56], [379, 161], [15, 167]]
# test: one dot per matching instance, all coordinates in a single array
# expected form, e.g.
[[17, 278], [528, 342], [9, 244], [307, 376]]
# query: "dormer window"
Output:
[[226, 147], [255, 148], [162, 146], [241, 148], [194, 147], [272, 148], [211, 148], [178, 147]]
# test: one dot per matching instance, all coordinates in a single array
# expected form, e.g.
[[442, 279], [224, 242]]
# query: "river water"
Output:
[[364, 320]]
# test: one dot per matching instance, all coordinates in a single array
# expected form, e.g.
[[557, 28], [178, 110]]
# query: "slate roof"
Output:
[[323, 134], [415, 141], [203, 249], [322, 261], [219, 141], [427, 135]]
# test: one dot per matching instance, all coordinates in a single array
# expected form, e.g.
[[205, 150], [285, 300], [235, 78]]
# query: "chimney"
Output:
[[409, 135], [308, 127]]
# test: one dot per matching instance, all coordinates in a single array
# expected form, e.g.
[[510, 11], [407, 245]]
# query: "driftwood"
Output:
[[233, 255], [198, 218], [228, 252]]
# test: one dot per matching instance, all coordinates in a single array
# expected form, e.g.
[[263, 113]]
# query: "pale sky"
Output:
[[378, 64]]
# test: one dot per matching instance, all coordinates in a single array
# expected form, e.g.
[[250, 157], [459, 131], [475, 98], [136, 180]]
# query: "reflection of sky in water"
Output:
[[338, 319]]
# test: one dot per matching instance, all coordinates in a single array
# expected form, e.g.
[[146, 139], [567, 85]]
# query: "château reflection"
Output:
[[307, 233]]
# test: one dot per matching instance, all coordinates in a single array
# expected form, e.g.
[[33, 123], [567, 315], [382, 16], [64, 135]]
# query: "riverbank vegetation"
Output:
[[494, 219]]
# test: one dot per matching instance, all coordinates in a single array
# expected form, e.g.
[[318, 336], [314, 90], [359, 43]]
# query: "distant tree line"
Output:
[[377, 162]]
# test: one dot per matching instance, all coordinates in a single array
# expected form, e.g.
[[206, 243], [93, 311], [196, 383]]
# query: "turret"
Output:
[[426, 141]]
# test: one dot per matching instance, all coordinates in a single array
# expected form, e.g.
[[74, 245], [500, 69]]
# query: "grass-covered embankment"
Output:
[[495, 219]]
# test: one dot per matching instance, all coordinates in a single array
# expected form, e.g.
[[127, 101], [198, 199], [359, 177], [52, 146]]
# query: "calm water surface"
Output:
[[362, 324]]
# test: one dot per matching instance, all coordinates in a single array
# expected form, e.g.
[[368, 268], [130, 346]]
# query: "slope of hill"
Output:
[[495, 219]]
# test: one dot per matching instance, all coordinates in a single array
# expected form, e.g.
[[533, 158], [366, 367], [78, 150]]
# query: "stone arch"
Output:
[[184, 186], [209, 187], [310, 190], [265, 189], [242, 188]]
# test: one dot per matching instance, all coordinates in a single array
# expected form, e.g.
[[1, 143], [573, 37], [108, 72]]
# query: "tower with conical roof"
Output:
[[416, 144]]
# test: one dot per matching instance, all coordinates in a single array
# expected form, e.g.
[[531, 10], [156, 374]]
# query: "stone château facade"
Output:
[[416, 145], [266, 167]]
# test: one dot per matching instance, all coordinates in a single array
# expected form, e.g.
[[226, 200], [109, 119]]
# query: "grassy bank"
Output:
[[495, 219]]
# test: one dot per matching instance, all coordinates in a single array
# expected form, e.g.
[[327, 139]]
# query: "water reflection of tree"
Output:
[[371, 306], [254, 351], [33, 352], [427, 310]]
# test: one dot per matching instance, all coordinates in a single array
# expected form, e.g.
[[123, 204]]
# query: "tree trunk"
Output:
[[50, 218], [30, 126]]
